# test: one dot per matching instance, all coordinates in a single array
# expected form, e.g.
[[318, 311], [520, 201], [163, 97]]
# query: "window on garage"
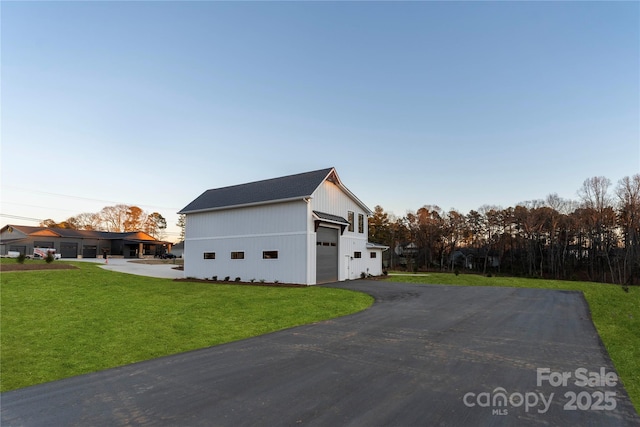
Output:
[[237, 255], [270, 255], [357, 254], [373, 254], [360, 223], [350, 218], [209, 255]]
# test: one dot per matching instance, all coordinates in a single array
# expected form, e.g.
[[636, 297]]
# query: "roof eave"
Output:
[[246, 205], [330, 220], [371, 245]]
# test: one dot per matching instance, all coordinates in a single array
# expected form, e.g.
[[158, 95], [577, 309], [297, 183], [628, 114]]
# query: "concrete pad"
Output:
[[121, 265]]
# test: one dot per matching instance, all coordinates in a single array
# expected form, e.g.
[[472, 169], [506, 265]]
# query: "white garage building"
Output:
[[306, 229]]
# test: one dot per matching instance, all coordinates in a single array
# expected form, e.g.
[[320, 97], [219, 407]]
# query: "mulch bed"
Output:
[[36, 267], [222, 282]]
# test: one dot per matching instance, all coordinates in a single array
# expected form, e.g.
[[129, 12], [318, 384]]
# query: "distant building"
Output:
[[474, 259], [306, 229], [80, 243], [178, 249]]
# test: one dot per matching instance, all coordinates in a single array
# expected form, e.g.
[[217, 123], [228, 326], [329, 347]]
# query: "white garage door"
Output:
[[327, 255]]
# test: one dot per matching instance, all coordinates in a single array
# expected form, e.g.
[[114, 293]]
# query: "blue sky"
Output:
[[455, 104]]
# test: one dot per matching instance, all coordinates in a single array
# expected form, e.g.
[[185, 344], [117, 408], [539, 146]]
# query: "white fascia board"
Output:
[[246, 205]]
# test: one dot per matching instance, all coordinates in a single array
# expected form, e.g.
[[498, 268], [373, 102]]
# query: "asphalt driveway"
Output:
[[423, 355]]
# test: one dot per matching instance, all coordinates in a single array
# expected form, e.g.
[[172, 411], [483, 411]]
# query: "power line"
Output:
[[23, 218], [85, 198], [4, 202]]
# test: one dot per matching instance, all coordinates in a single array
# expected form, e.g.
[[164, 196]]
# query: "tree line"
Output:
[[595, 238], [117, 219]]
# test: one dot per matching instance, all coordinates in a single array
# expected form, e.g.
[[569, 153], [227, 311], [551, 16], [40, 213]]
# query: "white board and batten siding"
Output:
[[330, 199], [243, 230], [285, 226]]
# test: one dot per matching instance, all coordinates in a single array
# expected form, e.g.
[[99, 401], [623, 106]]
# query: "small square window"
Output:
[[373, 254], [209, 255], [270, 255], [237, 255], [357, 254]]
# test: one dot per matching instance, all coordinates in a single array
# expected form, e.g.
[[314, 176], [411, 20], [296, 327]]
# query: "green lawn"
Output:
[[57, 324], [616, 315]]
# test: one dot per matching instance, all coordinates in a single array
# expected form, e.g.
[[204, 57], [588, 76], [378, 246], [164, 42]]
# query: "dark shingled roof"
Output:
[[80, 234], [68, 232], [283, 188]]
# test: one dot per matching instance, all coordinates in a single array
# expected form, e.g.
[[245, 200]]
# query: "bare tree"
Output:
[[113, 217], [594, 193], [628, 192], [87, 221], [563, 206]]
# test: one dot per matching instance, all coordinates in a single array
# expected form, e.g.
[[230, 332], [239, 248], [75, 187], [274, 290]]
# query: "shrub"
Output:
[[237, 279], [227, 278], [385, 272], [363, 275], [456, 271], [21, 258], [49, 258], [214, 278]]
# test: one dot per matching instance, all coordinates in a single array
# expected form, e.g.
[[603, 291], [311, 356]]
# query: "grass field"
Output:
[[62, 323], [615, 313]]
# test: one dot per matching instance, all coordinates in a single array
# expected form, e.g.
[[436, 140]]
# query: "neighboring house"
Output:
[[306, 229], [79, 243], [474, 259]]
